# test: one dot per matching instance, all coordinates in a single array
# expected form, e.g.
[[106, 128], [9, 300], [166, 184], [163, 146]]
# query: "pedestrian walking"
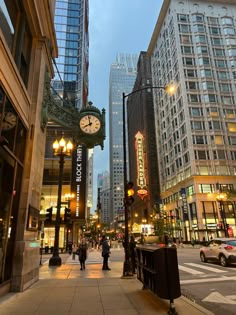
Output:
[[105, 252], [193, 241], [74, 249], [82, 253]]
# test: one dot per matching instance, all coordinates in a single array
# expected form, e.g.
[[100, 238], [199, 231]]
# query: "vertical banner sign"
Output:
[[184, 203], [141, 178], [78, 185]]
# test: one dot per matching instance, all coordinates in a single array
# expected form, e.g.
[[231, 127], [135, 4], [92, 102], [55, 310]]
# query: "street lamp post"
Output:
[[60, 149], [127, 267]]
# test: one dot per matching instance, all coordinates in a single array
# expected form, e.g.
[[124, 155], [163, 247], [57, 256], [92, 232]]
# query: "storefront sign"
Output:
[[78, 182], [184, 203]]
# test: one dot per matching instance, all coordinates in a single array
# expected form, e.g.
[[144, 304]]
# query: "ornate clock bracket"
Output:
[[69, 117]]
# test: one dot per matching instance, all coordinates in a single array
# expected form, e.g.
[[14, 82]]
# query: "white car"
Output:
[[222, 250]]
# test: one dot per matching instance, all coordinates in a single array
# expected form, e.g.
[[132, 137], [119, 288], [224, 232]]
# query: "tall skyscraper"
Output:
[[122, 77], [70, 88], [194, 44]]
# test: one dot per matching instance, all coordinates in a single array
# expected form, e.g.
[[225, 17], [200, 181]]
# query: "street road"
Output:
[[209, 284]]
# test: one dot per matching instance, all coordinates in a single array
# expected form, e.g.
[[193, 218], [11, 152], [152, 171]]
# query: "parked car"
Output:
[[222, 250]]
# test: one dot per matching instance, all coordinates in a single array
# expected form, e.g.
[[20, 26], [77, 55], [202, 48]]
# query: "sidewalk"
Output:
[[66, 290]]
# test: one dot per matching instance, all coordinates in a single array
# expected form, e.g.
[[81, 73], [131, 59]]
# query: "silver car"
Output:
[[222, 250]]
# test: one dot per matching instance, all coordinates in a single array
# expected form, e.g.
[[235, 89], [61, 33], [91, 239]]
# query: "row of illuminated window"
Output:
[[215, 139], [225, 20], [208, 73], [206, 61], [188, 39], [200, 28], [211, 111], [211, 98], [208, 85], [196, 126], [202, 188], [218, 52], [212, 125], [200, 155]]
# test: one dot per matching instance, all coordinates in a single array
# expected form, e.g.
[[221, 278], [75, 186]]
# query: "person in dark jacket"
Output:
[[132, 246], [105, 252], [82, 253]]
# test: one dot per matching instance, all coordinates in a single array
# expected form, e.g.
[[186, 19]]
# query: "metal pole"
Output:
[[127, 268], [55, 260]]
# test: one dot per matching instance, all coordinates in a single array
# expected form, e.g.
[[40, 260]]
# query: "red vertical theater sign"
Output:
[[141, 173]]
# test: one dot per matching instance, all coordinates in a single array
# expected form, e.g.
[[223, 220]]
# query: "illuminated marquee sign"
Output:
[[141, 179]]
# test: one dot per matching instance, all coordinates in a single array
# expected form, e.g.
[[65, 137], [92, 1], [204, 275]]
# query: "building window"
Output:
[[229, 31], [212, 20], [183, 28], [214, 30], [206, 73], [212, 111], [197, 125], [222, 75], [232, 140], [204, 61], [227, 100], [195, 111], [218, 140], [201, 39], [187, 49], [220, 63], [216, 41], [224, 87], [183, 17], [206, 188], [185, 39], [210, 98], [229, 113], [198, 18], [199, 28], [231, 127], [199, 139], [214, 125], [202, 50], [208, 85], [227, 20]]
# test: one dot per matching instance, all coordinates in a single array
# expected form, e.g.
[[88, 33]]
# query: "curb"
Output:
[[195, 305]]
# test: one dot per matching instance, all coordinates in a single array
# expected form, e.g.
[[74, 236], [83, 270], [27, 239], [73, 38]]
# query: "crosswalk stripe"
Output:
[[206, 268], [190, 270]]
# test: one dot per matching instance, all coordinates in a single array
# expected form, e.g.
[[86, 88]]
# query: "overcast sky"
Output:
[[115, 26]]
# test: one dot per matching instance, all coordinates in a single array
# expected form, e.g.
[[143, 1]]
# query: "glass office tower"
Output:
[[122, 77], [70, 88]]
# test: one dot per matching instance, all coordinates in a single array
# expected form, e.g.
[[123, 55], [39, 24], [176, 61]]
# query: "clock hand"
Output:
[[88, 124]]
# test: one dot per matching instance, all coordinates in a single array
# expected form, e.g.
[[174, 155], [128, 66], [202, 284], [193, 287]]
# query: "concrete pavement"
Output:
[[66, 290]]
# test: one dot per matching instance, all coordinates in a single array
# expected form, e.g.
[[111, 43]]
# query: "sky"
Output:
[[115, 26]]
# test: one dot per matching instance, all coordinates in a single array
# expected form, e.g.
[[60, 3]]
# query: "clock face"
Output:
[[8, 121], [90, 124]]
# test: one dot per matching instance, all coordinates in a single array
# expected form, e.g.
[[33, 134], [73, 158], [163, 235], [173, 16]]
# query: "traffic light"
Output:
[[130, 193], [49, 215], [67, 215]]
